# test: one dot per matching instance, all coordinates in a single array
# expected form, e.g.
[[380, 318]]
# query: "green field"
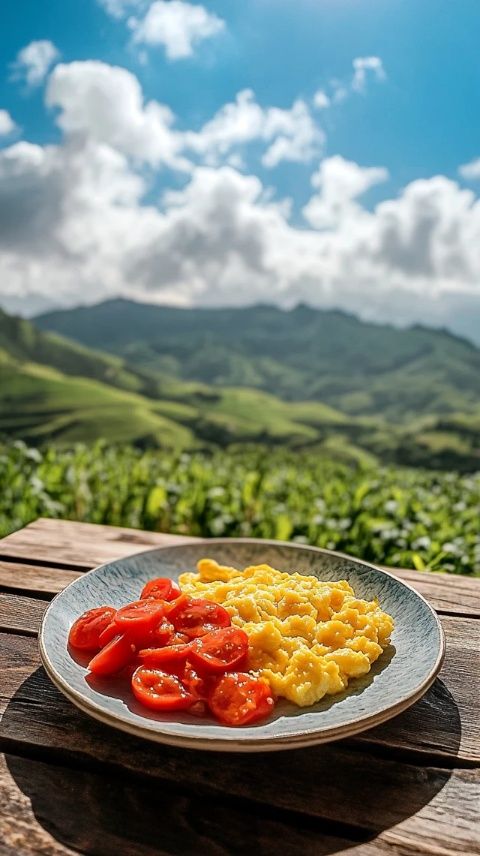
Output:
[[393, 516]]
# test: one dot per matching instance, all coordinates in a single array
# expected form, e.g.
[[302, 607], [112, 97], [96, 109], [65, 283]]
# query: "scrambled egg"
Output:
[[307, 637]]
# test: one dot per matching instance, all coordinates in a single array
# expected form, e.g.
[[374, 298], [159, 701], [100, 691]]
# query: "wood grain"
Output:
[[82, 546], [34, 579], [423, 809], [21, 614]]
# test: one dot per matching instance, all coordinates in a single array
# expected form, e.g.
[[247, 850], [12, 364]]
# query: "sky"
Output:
[[273, 151]]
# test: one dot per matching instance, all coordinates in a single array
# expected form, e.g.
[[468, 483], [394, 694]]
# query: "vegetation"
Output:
[[358, 368], [56, 389], [397, 517]]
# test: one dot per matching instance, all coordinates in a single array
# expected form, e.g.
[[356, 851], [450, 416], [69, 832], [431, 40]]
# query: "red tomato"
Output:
[[220, 650], [196, 616], [139, 618], [85, 631], [161, 588], [197, 684], [238, 698], [172, 658], [162, 634], [111, 659], [106, 635], [160, 691]]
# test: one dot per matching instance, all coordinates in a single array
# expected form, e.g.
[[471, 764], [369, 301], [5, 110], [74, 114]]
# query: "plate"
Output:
[[400, 676]]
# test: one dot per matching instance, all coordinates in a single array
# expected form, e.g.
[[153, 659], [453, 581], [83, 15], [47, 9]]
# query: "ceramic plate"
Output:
[[400, 676]]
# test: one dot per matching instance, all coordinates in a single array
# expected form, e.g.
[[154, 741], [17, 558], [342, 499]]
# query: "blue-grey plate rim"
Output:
[[235, 740]]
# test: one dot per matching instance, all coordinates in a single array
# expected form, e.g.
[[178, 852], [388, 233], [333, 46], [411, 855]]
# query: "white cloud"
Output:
[[321, 100], [74, 226], [363, 66], [470, 171], [34, 61], [7, 125], [290, 135], [105, 103], [339, 183], [177, 26], [120, 8]]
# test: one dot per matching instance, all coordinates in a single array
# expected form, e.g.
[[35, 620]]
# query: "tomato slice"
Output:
[[159, 690], [197, 685], [106, 635], [220, 650], [85, 631], [137, 619], [196, 616], [238, 698], [163, 633], [117, 653], [161, 588], [172, 658]]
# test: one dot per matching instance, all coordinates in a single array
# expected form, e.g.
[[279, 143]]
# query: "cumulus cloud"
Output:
[[177, 26], [105, 103], [363, 67], [290, 134], [7, 125], [34, 61], [75, 227], [120, 8], [470, 171], [321, 100], [339, 183]]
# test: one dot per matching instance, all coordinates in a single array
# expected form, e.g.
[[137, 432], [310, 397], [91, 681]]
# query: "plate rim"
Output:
[[305, 737]]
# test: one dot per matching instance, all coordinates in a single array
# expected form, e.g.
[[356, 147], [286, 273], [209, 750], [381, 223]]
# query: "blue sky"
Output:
[[417, 117]]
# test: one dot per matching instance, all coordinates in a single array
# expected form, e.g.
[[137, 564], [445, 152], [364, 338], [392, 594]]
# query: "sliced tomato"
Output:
[[171, 658], [196, 616], [139, 618], [85, 631], [220, 650], [238, 698], [163, 633], [196, 684], [106, 635], [119, 652], [161, 588], [159, 690]]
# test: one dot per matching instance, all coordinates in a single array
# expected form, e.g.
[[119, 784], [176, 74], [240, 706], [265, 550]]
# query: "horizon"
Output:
[[194, 155], [285, 309]]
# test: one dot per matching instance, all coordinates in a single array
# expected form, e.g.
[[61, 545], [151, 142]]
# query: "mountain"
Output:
[[55, 389], [358, 368], [52, 388]]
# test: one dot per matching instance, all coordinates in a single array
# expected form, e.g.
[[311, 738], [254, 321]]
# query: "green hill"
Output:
[[358, 368], [55, 389]]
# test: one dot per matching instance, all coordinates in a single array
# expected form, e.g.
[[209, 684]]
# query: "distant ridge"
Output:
[[361, 368]]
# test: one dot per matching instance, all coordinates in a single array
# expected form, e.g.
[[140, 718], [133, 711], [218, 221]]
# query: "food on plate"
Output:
[[307, 638], [230, 641], [178, 652]]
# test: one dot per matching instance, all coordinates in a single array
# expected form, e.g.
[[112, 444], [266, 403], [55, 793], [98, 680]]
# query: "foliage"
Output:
[[392, 516]]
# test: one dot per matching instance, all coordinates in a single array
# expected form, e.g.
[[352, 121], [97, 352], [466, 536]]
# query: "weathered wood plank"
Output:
[[56, 810], [84, 545], [35, 579], [21, 614], [401, 808], [80, 545]]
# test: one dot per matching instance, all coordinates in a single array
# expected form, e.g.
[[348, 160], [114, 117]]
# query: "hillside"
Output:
[[52, 388], [358, 368], [55, 389]]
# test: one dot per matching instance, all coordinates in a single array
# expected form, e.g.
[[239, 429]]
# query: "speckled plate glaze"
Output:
[[400, 676]]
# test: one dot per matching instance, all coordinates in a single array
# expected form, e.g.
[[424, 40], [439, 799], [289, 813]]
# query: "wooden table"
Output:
[[71, 785]]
